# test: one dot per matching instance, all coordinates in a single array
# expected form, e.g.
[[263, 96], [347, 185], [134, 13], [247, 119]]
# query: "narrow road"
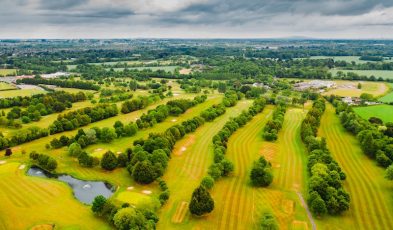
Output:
[[304, 204]]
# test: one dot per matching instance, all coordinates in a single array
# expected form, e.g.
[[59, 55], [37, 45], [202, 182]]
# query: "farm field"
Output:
[[384, 112], [385, 74], [6, 72], [349, 88], [20, 92], [371, 199]]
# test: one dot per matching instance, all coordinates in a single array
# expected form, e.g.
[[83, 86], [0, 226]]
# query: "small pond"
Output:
[[84, 191]]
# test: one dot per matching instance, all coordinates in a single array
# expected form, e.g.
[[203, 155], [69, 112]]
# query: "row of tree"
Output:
[[375, 142], [172, 108], [61, 83], [43, 105], [22, 136], [326, 193], [273, 126], [124, 216], [43, 161], [201, 201], [81, 117], [138, 103]]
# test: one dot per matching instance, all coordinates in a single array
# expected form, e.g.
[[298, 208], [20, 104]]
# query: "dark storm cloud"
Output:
[[228, 17]]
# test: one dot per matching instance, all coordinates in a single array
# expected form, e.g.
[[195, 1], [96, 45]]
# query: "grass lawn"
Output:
[[388, 97], [371, 194], [349, 88], [5, 72], [385, 74], [384, 112], [6, 86], [21, 92], [27, 201]]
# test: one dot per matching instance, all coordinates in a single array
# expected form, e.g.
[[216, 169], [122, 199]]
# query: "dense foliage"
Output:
[[60, 83], [43, 161], [261, 173], [274, 125], [326, 193]]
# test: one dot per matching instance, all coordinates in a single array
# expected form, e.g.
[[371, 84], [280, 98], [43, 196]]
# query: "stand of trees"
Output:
[[261, 173], [81, 117], [44, 161], [326, 193], [274, 125], [41, 105], [173, 108], [124, 216], [375, 142], [22, 136], [138, 103], [60, 83]]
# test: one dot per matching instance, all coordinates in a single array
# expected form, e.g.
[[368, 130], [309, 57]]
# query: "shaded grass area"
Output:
[[384, 112], [371, 194]]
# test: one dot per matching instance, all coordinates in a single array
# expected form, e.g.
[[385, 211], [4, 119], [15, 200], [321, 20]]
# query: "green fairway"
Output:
[[385, 74], [190, 160], [238, 205], [384, 112], [28, 201], [371, 194]]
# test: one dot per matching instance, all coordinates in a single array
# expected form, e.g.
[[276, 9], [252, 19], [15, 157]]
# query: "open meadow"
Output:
[[384, 112], [385, 74], [350, 88], [6, 72]]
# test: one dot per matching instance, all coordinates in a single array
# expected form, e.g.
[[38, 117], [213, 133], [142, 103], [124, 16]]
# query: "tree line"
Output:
[[326, 193], [43, 105], [376, 143], [274, 125], [201, 201], [61, 83]]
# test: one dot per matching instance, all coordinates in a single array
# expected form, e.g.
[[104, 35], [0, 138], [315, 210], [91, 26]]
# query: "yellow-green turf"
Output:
[[389, 96], [384, 112], [371, 194], [121, 143], [190, 160], [349, 88], [241, 205], [73, 90], [5, 72], [20, 92], [28, 201], [6, 86]]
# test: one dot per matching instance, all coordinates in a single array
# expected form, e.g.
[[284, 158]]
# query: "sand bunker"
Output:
[[22, 167], [2, 162], [97, 150], [147, 192], [174, 120], [130, 188]]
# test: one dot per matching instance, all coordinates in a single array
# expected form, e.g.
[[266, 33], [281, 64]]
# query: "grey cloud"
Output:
[[61, 4]]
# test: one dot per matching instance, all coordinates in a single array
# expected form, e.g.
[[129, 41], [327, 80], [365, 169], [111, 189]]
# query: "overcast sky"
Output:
[[196, 18]]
